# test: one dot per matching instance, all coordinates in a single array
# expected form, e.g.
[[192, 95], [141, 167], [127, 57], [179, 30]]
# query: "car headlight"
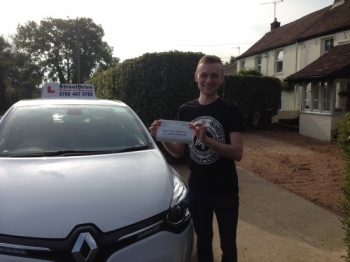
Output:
[[178, 211]]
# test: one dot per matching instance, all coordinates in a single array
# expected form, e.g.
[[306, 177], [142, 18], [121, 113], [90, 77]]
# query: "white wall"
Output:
[[295, 58], [317, 126]]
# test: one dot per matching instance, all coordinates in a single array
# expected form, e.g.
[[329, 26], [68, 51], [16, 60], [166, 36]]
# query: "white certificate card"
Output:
[[174, 131]]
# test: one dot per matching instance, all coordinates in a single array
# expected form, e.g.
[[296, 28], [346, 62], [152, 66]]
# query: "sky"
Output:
[[134, 27]]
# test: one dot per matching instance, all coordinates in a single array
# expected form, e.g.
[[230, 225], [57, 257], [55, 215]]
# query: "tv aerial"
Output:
[[274, 3]]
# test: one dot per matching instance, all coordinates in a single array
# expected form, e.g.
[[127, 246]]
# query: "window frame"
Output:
[[242, 64], [325, 45], [279, 61], [325, 95], [343, 85], [257, 64]]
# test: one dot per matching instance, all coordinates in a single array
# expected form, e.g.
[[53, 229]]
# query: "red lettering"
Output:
[[49, 90]]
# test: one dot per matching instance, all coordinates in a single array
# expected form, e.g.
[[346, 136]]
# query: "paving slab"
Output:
[[276, 225]]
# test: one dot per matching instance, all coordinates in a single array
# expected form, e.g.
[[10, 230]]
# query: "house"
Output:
[[230, 69], [312, 55]]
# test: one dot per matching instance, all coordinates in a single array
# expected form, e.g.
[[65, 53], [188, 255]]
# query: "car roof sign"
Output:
[[70, 91]]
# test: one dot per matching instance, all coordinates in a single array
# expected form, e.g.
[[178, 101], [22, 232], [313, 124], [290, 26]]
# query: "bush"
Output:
[[287, 87], [343, 141]]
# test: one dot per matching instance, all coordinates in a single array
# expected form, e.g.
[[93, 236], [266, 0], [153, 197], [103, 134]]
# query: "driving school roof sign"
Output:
[[76, 91]]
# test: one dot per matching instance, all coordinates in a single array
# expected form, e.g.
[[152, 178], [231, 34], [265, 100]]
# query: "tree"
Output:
[[233, 60], [52, 45], [19, 77], [4, 49], [102, 67]]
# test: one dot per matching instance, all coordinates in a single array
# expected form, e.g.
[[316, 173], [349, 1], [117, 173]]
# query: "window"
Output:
[[242, 64], [38, 129], [258, 63], [321, 97], [279, 61], [324, 98], [328, 44], [307, 97], [316, 97], [339, 100]]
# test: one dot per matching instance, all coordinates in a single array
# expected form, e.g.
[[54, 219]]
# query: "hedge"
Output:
[[258, 97], [156, 84], [153, 85]]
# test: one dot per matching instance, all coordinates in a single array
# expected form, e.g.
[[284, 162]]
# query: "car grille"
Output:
[[94, 244]]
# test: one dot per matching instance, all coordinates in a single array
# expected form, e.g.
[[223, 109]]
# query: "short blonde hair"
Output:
[[211, 59]]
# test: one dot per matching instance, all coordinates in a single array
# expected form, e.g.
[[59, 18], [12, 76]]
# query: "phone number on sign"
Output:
[[75, 94]]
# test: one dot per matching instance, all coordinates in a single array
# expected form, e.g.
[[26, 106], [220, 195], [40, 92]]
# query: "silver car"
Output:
[[82, 180]]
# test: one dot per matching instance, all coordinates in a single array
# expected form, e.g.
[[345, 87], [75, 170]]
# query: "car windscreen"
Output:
[[70, 130]]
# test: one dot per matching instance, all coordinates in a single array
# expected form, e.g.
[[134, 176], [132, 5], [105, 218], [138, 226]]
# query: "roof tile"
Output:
[[230, 69]]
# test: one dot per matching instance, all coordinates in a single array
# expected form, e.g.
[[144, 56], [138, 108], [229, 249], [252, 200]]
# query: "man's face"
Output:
[[209, 77]]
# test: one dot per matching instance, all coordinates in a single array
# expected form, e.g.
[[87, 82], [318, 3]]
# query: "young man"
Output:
[[218, 142]]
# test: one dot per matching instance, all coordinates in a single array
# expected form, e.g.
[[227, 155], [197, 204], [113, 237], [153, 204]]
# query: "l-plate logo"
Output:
[[85, 248]]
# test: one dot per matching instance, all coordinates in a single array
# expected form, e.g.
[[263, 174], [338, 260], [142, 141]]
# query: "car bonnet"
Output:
[[48, 197]]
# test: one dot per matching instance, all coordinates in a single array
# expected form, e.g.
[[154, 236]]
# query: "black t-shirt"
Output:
[[211, 172]]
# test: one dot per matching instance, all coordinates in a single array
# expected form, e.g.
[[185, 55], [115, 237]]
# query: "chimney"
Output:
[[275, 25]]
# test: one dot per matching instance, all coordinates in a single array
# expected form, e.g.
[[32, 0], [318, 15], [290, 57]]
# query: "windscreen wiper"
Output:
[[131, 149], [62, 153]]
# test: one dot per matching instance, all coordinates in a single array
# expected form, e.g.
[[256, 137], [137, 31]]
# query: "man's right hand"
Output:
[[174, 148], [154, 128]]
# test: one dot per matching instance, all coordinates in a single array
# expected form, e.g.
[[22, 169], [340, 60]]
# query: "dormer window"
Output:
[[328, 44]]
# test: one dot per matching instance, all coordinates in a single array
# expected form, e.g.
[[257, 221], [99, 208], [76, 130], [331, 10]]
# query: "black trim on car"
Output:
[[60, 250]]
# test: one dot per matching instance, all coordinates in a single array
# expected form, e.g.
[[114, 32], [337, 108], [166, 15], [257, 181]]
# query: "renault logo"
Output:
[[85, 249]]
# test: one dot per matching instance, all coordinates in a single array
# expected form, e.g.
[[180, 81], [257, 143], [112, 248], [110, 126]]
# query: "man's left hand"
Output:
[[200, 131]]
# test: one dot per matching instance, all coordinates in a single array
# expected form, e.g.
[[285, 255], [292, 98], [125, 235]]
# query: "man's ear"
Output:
[[222, 78], [195, 76]]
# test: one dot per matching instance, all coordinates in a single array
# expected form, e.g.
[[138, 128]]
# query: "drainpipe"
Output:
[[296, 68]]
